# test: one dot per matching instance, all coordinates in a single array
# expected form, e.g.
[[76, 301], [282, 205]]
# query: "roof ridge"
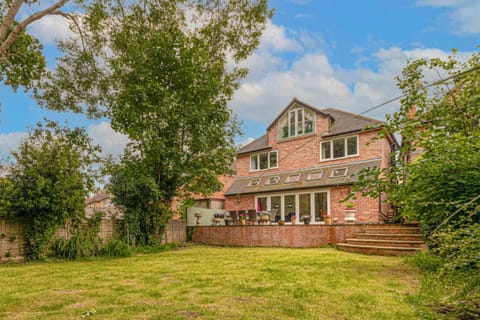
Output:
[[354, 114]]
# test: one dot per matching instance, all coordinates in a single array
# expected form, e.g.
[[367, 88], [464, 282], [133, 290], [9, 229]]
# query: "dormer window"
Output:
[[292, 178], [340, 172], [298, 121]]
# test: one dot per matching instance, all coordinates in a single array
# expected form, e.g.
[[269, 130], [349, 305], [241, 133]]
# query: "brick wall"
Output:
[[276, 236], [308, 147]]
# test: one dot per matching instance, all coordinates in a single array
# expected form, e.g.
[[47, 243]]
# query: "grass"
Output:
[[215, 283]]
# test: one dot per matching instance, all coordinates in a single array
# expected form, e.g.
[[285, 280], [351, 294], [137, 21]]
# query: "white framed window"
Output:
[[293, 178], [315, 202], [264, 161], [338, 172], [315, 175], [298, 121], [339, 148], [272, 180], [254, 182]]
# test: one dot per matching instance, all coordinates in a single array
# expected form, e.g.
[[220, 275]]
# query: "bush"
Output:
[[116, 248], [83, 243]]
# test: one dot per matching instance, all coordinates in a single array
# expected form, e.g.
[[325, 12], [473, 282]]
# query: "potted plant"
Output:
[[327, 218], [264, 218], [350, 212], [293, 219], [243, 219], [228, 220], [306, 218], [281, 222]]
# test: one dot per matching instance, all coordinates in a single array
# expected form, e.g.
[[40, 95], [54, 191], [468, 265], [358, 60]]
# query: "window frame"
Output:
[[257, 156], [293, 113], [345, 139]]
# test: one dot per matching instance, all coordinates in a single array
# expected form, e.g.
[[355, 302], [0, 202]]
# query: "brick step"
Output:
[[393, 230], [376, 250], [390, 236], [386, 243]]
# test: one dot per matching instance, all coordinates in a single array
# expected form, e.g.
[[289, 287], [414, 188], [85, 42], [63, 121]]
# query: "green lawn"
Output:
[[215, 283]]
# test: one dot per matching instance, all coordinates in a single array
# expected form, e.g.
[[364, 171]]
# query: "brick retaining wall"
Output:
[[276, 236]]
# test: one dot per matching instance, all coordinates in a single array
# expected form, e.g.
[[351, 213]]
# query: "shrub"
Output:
[[116, 248], [82, 244]]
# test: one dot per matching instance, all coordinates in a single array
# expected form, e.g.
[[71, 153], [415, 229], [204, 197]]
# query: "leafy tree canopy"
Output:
[[49, 181], [436, 178], [160, 71]]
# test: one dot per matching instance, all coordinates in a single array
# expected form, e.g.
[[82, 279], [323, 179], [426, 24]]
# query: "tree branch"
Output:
[[9, 17], [21, 26]]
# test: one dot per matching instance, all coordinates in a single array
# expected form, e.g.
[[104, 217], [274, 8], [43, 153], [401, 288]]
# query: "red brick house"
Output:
[[304, 163]]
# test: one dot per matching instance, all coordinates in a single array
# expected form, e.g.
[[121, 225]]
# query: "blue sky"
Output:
[[328, 53]]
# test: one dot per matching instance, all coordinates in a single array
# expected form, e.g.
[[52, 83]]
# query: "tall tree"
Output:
[[21, 58], [159, 71]]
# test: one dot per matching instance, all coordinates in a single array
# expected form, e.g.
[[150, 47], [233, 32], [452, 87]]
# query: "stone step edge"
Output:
[[379, 248], [383, 241]]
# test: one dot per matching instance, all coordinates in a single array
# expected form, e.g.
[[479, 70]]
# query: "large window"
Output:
[[264, 161], [339, 148], [284, 206], [296, 122]]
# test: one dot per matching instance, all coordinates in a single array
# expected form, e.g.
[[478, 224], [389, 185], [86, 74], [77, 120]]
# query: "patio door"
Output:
[[321, 205]]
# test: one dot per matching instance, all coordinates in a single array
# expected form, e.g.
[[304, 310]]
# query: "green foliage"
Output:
[[116, 248], [49, 182], [163, 81]]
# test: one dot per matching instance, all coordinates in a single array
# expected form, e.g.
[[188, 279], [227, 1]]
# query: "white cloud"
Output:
[[111, 141], [277, 39], [51, 28], [463, 15], [315, 80], [10, 141]]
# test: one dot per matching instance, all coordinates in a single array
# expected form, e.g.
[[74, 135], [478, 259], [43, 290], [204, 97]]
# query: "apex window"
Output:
[[339, 148], [264, 161], [296, 122]]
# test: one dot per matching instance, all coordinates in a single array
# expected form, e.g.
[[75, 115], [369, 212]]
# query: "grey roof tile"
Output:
[[241, 184]]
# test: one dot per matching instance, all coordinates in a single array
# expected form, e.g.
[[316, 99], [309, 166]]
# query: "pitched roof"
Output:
[[315, 177], [256, 145], [102, 195], [345, 122]]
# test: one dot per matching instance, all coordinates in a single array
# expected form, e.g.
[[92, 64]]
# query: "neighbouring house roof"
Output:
[[102, 195], [309, 178], [342, 122], [256, 145]]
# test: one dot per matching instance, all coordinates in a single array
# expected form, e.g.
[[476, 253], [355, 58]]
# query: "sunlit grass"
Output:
[[215, 283]]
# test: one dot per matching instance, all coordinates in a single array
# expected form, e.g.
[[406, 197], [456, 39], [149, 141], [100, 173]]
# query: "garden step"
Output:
[[387, 243], [389, 236], [377, 250], [393, 230]]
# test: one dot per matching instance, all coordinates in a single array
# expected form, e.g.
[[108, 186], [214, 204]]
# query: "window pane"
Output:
[[352, 146], [292, 123], [300, 121], [289, 208], [262, 204], [339, 148], [276, 202], [283, 127], [264, 161], [308, 124], [304, 204], [273, 159], [326, 154], [254, 162], [320, 205]]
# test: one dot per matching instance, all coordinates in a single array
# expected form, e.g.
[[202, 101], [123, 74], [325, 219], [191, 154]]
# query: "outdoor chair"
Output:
[[234, 216], [253, 216]]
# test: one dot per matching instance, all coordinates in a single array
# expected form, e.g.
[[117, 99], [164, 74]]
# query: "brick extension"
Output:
[[386, 240]]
